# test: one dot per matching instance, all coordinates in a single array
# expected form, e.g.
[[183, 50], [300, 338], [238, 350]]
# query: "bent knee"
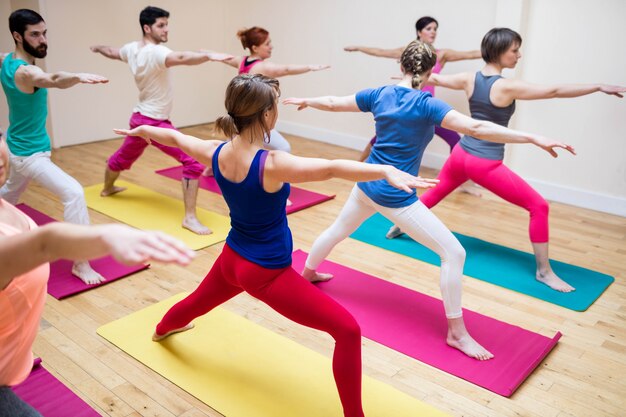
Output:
[[540, 208], [347, 329]]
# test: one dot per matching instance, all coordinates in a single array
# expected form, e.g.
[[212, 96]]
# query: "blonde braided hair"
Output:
[[417, 59]]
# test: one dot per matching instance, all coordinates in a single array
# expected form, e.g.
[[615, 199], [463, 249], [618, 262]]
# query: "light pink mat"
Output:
[[415, 324], [300, 199], [50, 397], [62, 283]]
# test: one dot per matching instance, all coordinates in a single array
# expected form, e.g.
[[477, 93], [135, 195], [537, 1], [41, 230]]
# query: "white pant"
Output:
[[415, 220], [278, 142], [40, 168]]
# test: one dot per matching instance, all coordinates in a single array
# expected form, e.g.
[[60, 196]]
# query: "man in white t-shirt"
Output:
[[149, 61]]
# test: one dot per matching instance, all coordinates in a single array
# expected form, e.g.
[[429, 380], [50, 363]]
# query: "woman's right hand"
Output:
[[300, 102], [136, 132], [351, 49], [407, 182], [548, 145]]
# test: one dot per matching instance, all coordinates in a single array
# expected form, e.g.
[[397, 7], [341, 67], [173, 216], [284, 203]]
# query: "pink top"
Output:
[[21, 306], [245, 69], [436, 70]]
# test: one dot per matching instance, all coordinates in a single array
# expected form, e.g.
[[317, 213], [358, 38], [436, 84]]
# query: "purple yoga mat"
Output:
[[415, 324], [300, 199], [62, 283], [50, 397]]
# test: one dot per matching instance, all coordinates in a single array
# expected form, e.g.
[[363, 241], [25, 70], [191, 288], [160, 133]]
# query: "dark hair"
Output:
[[149, 15], [422, 22], [21, 18], [248, 97], [496, 42], [254, 36], [417, 59]]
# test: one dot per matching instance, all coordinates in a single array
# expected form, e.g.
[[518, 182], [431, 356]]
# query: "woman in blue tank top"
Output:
[[492, 98], [405, 123], [257, 254]]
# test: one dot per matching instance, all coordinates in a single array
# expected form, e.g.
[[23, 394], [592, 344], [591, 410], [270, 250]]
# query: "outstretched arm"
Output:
[[231, 60], [520, 90], [28, 77], [458, 81], [273, 70], [194, 58], [450, 55], [394, 53], [24, 252], [200, 150], [107, 51], [326, 103], [495, 133], [285, 167]]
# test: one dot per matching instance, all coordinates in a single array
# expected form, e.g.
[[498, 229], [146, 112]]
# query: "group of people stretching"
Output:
[[254, 169]]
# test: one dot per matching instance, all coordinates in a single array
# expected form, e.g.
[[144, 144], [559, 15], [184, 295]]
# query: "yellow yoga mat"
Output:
[[149, 210], [244, 370]]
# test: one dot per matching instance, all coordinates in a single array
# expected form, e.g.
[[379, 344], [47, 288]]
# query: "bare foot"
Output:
[[110, 191], [551, 280], [194, 225], [314, 276], [86, 274], [208, 171], [393, 232], [289, 202], [471, 190], [469, 346], [157, 337]]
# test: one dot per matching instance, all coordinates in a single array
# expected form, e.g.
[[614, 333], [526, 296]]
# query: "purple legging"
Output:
[[133, 147], [292, 296], [497, 178], [450, 136]]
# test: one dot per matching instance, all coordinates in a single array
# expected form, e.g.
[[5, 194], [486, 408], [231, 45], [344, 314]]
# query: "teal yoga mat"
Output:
[[499, 265]]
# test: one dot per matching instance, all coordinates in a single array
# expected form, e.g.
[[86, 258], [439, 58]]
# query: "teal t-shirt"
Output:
[[26, 134]]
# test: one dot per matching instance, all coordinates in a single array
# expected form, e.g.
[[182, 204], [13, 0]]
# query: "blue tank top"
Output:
[[258, 219], [26, 134], [481, 108]]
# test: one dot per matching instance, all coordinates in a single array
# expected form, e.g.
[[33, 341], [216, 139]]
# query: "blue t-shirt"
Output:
[[405, 123], [258, 219]]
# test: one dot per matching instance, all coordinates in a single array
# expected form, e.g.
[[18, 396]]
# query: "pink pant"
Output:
[[497, 178], [133, 147], [292, 296]]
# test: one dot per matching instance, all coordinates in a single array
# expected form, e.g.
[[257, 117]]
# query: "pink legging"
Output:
[[133, 147], [291, 295], [497, 178]]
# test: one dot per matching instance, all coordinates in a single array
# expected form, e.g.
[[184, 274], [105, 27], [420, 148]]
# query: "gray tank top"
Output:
[[481, 108]]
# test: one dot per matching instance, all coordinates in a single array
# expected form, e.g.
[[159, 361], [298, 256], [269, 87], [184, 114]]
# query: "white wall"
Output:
[[564, 41]]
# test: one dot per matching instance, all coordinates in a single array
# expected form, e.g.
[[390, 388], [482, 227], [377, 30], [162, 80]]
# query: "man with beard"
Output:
[[25, 87], [149, 61]]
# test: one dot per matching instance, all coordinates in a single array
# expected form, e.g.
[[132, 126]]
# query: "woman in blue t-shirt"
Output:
[[257, 254], [405, 122]]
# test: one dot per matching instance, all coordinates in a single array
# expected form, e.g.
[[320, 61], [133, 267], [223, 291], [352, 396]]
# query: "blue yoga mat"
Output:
[[499, 265]]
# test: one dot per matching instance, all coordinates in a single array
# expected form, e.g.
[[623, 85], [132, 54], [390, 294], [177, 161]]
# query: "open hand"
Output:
[[132, 246], [86, 78], [300, 102]]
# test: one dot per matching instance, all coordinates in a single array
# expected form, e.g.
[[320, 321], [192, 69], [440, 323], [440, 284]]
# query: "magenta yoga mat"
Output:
[[415, 324], [300, 199], [50, 397], [62, 283]]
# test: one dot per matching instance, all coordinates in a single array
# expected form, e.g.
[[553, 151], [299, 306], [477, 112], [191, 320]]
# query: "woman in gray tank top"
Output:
[[492, 98]]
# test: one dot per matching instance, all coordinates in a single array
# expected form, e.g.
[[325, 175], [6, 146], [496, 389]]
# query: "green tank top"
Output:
[[26, 134]]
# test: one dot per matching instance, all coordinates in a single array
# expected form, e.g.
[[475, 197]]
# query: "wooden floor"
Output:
[[583, 376]]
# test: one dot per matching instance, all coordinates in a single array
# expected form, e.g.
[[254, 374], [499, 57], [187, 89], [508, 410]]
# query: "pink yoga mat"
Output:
[[50, 397], [415, 324], [300, 199], [62, 283]]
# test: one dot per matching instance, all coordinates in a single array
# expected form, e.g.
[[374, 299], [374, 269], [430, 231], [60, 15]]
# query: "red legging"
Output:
[[497, 178], [291, 295]]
